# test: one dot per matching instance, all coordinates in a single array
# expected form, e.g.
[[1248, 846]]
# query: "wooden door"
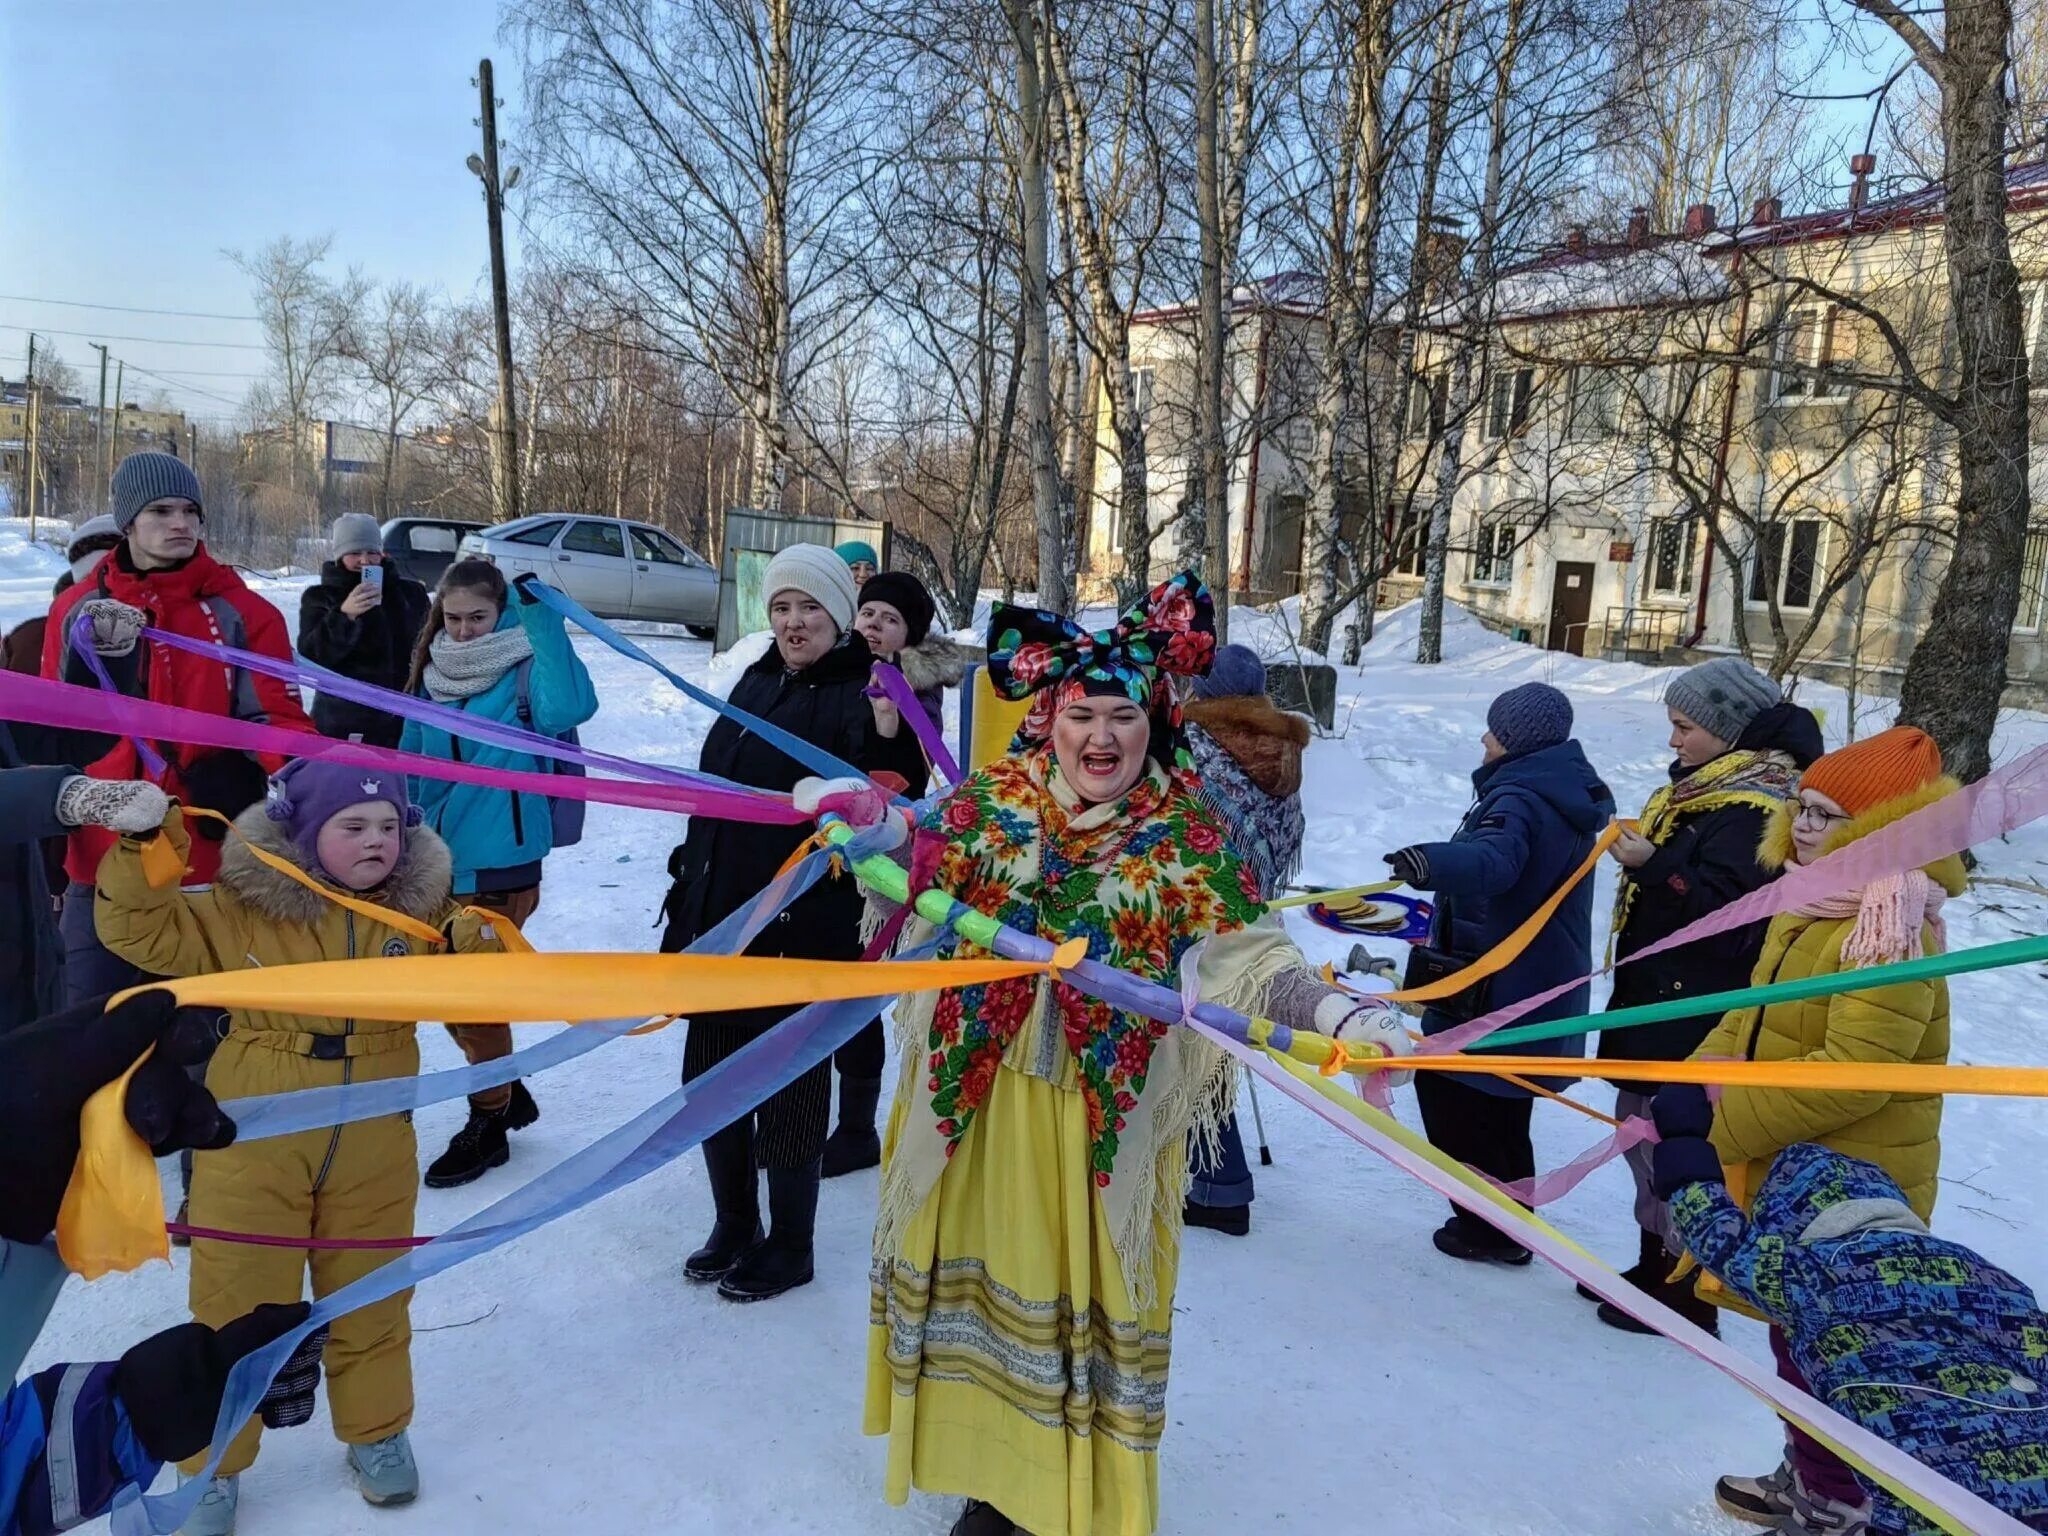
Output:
[[1571, 605]]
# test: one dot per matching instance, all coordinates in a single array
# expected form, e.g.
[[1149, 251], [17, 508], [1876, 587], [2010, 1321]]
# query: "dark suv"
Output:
[[424, 547]]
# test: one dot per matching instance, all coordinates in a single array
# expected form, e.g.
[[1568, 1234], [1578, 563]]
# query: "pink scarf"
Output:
[[1889, 912]]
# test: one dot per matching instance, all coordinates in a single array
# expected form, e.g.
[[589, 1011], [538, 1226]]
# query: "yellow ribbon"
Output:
[[112, 1216], [1348, 893]]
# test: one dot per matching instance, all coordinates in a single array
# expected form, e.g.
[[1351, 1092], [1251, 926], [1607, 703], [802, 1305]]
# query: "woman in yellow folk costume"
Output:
[[1028, 1243]]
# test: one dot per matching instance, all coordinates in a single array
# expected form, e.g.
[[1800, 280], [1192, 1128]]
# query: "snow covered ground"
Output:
[[1331, 1373]]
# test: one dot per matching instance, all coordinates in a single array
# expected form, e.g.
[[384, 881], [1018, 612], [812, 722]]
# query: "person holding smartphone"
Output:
[[362, 619]]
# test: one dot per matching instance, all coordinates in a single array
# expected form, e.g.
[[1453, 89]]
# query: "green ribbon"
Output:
[[1983, 958]]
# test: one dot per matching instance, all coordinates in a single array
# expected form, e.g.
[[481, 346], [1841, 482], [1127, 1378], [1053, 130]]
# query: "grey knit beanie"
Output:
[[1237, 672], [819, 574], [1722, 695], [142, 478], [357, 533], [1530, 717]]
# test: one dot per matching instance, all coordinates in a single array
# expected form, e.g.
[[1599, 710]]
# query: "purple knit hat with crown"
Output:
[[310, 790]]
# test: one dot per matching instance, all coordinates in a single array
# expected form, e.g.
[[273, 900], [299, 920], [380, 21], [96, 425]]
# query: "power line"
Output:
[[127, 309], [183, 373], [188, 388], [155, 341]]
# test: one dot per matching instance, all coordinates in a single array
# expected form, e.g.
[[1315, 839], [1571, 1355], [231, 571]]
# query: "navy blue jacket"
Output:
[[31, 955], [66, 1448], [1535, 820]]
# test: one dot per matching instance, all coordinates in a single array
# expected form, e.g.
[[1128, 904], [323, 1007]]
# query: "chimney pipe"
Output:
[[1699, 219], [1860, 167], [1639, 226], [1768, 210]]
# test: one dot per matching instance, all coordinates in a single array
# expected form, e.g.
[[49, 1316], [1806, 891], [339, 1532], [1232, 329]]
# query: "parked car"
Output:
[[616, 569], [423, 547]]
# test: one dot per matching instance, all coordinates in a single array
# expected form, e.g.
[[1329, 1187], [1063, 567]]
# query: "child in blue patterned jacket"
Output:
[[1922, 1341]]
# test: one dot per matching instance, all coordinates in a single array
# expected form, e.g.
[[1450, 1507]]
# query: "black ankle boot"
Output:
[[472, 1152], [520, 1110], [783, 1262], [855, 1145], [736, 1197], [1647, 1273]]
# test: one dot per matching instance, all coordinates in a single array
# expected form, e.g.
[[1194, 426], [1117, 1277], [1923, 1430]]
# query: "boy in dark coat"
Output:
[[349, 623], [1539, 809], [1920, 1340]]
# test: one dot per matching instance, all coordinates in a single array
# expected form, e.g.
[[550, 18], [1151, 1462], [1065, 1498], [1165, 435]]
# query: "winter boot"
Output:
[[1815, 1514], [472, 1152], [1759, 1500], [736, 1197], [520, 1110], [784, 1261], [1456, 1238], [183, 1218], [855, 1145], [1678, 1295], [215, 1513], [981, 1518], [385, 1472], [1648, 1271], [1231, 1220]]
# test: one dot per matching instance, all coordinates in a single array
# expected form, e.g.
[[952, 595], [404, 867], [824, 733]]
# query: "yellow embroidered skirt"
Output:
[[1006, 1361]]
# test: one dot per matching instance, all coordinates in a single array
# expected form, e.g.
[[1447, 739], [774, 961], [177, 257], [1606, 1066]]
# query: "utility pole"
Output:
[[505, 425], [114, 437], [28, 395], [99, 445]]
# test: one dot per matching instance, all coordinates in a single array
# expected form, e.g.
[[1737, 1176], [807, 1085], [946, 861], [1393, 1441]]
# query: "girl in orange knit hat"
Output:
[[1843, 796]]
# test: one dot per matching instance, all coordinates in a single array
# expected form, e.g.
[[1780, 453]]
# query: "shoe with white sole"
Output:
[[385, 1471]]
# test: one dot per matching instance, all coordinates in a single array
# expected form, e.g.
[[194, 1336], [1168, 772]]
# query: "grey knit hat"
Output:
[[819, 574], [1238, 671], [1722, 696], [357, 533], [1530, 717], [142, 478]]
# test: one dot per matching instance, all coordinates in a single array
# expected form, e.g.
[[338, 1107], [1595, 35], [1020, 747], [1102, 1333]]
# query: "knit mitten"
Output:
[[133, 806], [1370, 1025], [289, 1402], [116, 625]]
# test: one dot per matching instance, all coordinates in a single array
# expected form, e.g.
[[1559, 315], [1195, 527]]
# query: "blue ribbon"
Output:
[[813, 757]]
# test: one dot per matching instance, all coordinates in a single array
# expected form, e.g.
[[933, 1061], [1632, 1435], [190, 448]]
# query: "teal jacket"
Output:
[[490, 829]]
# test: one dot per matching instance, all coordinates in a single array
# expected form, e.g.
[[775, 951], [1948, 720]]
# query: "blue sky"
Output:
[[138, 139]]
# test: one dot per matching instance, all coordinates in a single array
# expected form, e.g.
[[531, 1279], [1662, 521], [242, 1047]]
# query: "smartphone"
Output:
[[373, 576]]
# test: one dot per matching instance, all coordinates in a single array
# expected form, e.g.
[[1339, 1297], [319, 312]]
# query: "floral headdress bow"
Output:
[[1052, 660]]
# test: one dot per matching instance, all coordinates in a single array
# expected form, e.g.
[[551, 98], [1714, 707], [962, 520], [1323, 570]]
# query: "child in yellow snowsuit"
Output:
[[351, 830]]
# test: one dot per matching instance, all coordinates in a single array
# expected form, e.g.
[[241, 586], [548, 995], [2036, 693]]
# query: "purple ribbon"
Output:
[[896, 688], [81, 641]]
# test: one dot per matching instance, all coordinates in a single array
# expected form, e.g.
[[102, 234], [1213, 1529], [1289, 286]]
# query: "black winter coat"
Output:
[[720, 864], [1708, 860], [376, 648], [31, 953]]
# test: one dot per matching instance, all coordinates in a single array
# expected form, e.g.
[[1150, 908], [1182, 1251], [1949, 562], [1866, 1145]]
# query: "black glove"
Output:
[[1683, 1155], [172, 1384], [227, 782], [1410, 866], [289, 1402], [48, 1070]]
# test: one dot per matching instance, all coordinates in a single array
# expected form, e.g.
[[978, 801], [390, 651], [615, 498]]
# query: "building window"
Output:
[[2037, 336], [2033, 574], [1672, 542], [1410, 544], [1493, 552], [1428, 397], [1595, 405], [1142, 390], [1507, 402], [1787, 558], [1813, 336]]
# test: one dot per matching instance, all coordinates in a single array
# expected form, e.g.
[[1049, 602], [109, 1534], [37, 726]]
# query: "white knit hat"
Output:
[[819, 574]]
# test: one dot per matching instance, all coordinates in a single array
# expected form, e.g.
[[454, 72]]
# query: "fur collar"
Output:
[[419, 887], [937, 662], [1775, 850], [1263, 739]]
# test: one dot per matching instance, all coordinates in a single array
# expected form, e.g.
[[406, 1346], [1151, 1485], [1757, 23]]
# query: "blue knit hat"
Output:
[[142, 478], [1529, 718], [1237, 671]]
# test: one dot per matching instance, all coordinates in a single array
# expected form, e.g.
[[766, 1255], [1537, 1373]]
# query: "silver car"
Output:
[[616, 569]]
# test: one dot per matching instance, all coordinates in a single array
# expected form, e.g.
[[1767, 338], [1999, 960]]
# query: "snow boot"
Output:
[[215, 1512], [1456, 1238], [855, 1145], [1650, 1267], [520, 1110], [385, 1471], [1231, 1220], [981, 1518], [472, 1152], [736, 1197], [1759, 1500], [1655, 1282], [183, 1218], [1815, 1514], [783, 1262]]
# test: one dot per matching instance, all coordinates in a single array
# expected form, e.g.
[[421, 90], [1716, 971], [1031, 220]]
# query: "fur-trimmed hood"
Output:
[[419, 887], [1263, 739], [1775, 851], [938, 661]]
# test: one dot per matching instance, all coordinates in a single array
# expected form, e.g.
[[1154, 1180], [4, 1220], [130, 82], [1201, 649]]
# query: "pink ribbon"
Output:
[[64, 705], [897, 687], [1543, 1188], [1993, 806]]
